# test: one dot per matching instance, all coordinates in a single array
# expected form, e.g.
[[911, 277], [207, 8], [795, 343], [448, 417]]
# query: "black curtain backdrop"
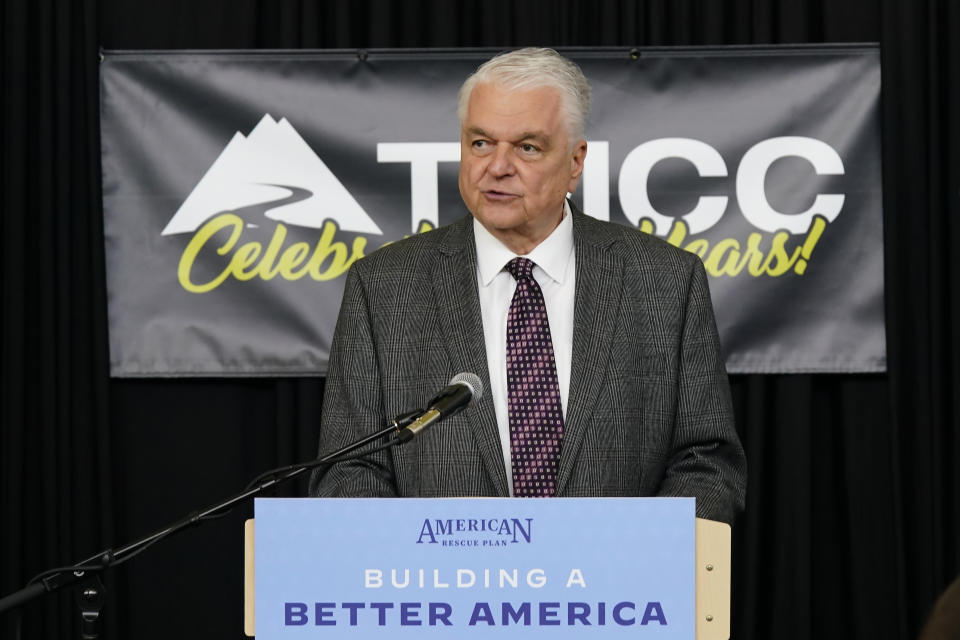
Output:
[[853, 515]]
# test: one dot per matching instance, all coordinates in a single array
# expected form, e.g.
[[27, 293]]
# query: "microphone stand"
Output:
[[90, 598]]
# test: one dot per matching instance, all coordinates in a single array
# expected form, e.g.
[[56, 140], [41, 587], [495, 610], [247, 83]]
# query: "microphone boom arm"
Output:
[[55, 579], [464, 389]]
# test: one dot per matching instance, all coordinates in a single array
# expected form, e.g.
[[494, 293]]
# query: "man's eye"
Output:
[[479, 144], [528, 148]]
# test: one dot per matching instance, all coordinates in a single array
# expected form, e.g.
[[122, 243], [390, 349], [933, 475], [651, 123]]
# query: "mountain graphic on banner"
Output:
[[253, 170]]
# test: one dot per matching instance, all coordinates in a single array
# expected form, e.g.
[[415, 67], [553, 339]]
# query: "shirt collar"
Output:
[[552, 255]]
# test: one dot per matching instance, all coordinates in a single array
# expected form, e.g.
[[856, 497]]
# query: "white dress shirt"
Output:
[[555, 272]]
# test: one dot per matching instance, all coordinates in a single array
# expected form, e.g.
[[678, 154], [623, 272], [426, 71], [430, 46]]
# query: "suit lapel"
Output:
[[599, 286], [458, 305]]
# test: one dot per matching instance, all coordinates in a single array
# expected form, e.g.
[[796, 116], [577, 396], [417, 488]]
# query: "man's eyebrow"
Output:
[[540, 136], [478, 131]]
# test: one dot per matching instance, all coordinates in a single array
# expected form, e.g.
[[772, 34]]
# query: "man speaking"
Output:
[[596, 342]]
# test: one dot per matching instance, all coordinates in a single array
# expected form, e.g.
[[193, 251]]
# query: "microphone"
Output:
[[464, 389]]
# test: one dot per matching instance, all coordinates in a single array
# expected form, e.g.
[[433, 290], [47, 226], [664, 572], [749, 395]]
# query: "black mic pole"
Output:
[[55, 579]]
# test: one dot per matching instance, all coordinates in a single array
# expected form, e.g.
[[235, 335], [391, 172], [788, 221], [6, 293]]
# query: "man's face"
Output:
[[516, 162]]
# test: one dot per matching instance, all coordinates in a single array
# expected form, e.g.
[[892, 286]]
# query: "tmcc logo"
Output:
[[273, 172]]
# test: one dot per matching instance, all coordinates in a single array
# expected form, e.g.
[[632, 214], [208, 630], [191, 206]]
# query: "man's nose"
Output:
[[501, 164]]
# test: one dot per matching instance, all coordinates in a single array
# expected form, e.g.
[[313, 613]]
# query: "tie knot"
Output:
[[520, 268]]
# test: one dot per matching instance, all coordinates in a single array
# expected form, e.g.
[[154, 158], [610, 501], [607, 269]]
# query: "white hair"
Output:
[[533, 68]]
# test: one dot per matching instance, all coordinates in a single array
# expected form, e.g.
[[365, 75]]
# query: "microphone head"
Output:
[[472, 381]]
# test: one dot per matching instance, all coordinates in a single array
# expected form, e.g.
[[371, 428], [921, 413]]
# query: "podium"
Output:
[[574, 566]]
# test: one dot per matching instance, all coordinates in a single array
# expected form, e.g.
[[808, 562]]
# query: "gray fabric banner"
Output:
[[238, 188]]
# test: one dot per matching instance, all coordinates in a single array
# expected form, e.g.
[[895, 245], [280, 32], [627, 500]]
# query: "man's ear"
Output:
[[577, 157]]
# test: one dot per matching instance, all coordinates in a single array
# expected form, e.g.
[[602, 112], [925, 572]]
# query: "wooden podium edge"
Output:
[[713, 579], [713, 560], [248, 591]]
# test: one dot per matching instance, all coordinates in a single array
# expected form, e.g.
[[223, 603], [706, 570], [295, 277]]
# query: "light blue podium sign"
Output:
[[475, 568]]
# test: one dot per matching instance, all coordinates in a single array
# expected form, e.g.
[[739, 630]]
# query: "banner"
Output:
[[475, 568], [239, 187]]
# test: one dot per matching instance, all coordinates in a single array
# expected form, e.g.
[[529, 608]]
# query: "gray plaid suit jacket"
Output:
[[649, 410]]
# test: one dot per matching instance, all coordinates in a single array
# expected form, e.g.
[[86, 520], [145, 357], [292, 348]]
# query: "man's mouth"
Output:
[[493, 194]]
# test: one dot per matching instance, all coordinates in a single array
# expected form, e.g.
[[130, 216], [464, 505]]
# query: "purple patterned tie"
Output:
[[533, 394]]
